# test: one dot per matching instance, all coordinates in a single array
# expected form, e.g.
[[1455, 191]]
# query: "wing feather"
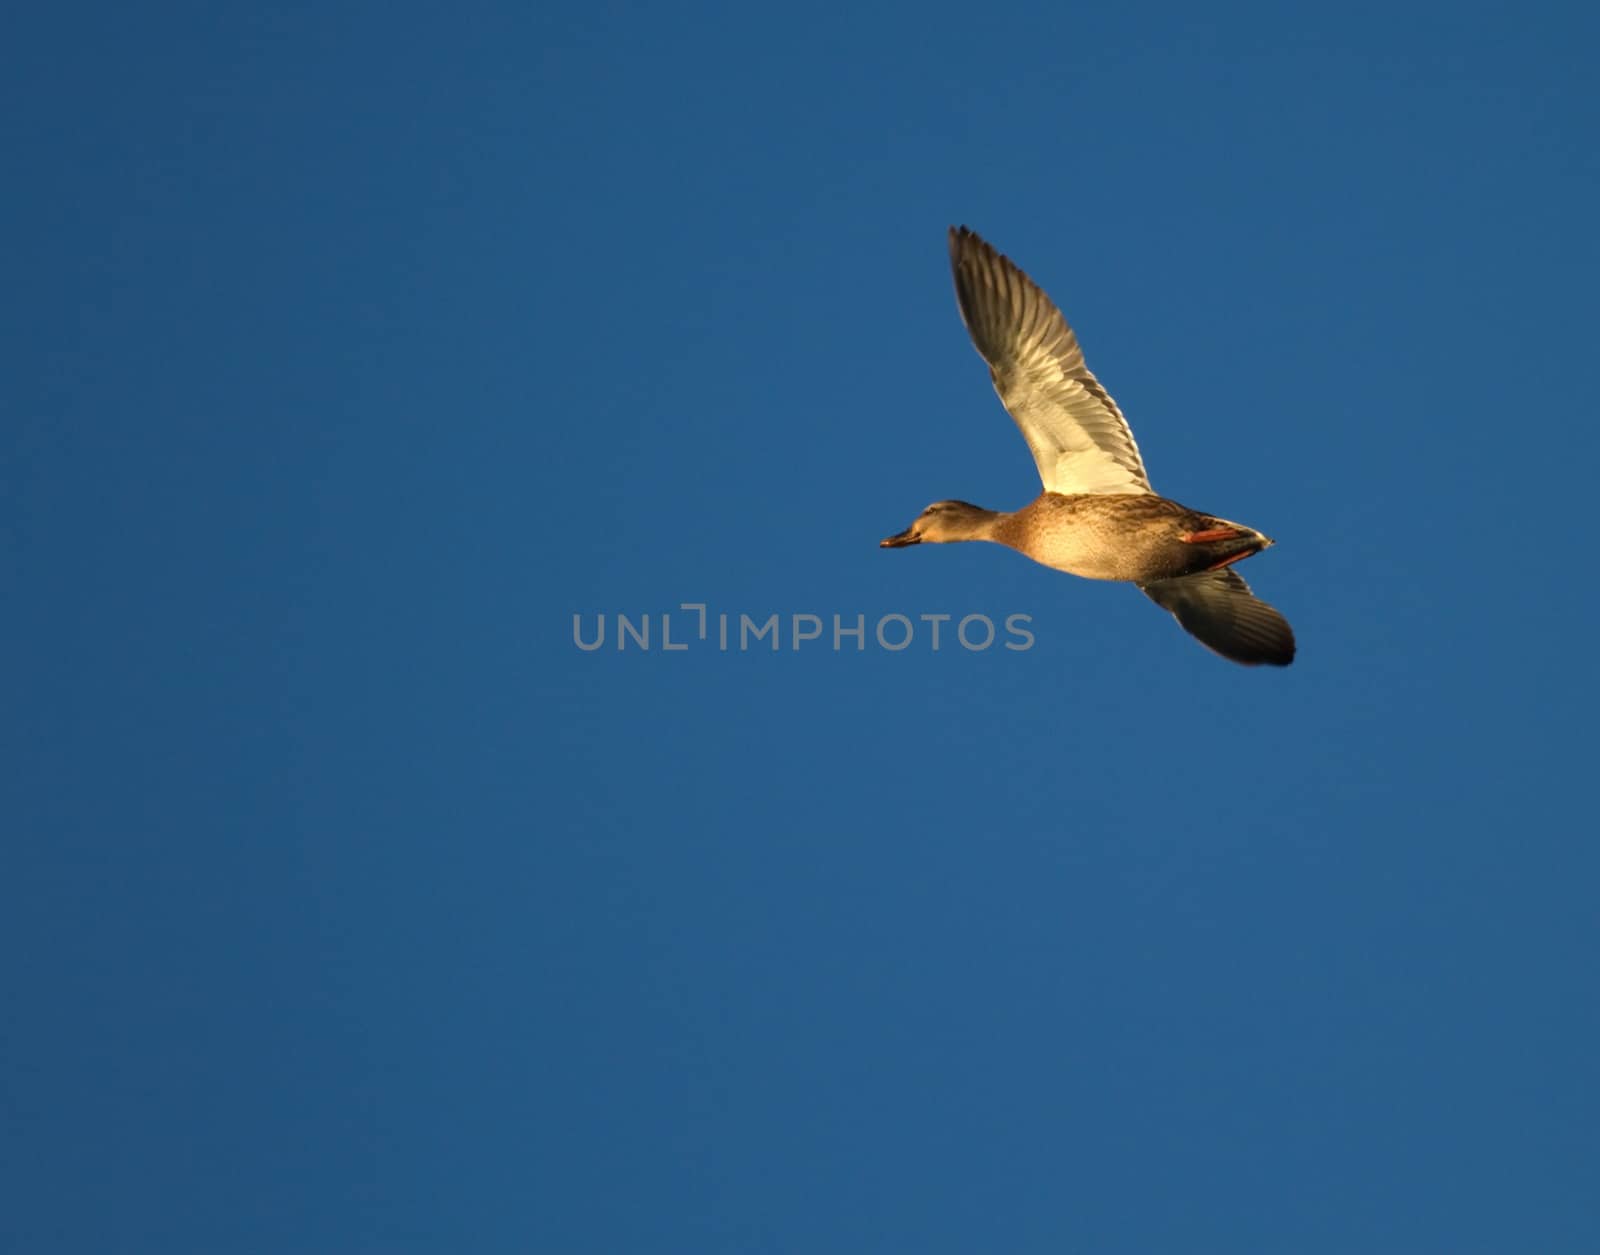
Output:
[[1218, 609], [1076, 433]]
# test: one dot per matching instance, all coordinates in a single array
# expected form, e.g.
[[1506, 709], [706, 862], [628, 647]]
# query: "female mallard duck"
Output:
[[1097, 516]]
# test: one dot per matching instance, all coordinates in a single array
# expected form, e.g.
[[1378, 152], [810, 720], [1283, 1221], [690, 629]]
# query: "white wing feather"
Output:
[[1078, 436]]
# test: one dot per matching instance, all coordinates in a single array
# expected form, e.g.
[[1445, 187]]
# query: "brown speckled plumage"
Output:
[[1097, 517]]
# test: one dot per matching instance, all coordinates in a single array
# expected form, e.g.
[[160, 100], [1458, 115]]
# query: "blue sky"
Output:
[[350, 907]]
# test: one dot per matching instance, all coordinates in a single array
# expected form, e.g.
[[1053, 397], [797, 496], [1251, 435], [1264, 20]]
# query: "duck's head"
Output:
[[942, 522]]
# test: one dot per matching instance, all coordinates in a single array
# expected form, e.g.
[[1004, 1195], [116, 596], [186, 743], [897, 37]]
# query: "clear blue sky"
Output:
[[349, 907]]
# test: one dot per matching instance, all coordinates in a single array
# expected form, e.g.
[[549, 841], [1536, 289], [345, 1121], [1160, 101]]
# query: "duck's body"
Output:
[[1135, 537], [1098, 517]]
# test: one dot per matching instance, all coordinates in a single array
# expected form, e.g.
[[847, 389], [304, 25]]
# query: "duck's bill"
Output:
[[900, 541]]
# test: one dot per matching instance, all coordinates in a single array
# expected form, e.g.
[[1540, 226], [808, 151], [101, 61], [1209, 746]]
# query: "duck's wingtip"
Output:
[[964, 241]]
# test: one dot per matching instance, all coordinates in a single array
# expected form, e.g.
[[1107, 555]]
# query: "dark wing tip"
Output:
[[958, 241], [987, 268], [1218, 609], [1253, 648], [1276, 652], [965, 242]]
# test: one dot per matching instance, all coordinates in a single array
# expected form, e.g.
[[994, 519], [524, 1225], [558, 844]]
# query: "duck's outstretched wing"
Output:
[[1077, 434], [1218, 609]]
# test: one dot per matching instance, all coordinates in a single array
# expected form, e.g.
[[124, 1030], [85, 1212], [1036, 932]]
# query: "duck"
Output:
[[1098, 517]]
